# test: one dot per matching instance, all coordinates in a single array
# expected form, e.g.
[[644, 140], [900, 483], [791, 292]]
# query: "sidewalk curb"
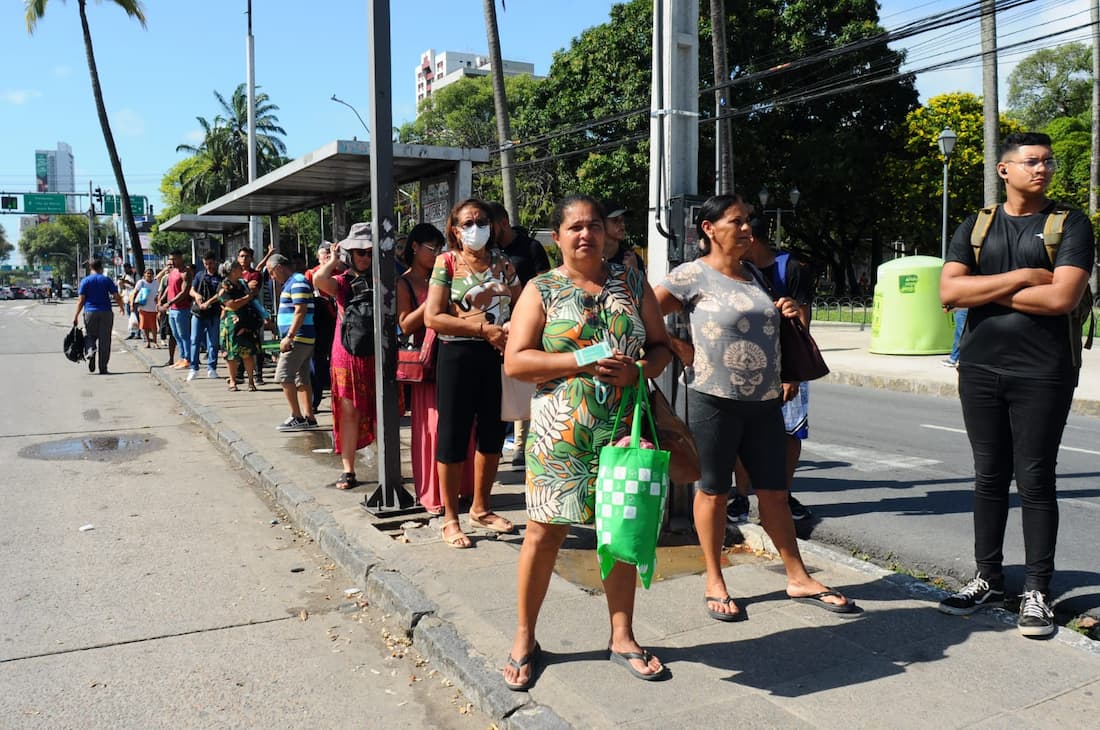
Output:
[[757, 539], [385, 587]]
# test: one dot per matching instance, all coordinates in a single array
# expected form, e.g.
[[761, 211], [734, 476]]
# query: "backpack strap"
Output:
[[980, 230], [1052, 231]]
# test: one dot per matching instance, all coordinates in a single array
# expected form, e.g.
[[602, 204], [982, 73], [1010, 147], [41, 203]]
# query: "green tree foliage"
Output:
[[1071, 140], [461, 115], [1051, 83], [5, 246], [915, 174], [222, 156], [171, 189], [64, 234]]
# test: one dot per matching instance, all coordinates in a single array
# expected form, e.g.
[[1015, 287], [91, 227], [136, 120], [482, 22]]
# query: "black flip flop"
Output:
[[348, 480], [531, 658], [818, 600], [721, 615], [623, 658]]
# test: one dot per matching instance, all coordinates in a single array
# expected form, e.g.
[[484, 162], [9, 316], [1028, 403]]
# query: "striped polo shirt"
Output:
[[297, 291]]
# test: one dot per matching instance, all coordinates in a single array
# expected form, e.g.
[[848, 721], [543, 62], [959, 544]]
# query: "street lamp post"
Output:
[[946, 142], [764, 195], [349, 106]]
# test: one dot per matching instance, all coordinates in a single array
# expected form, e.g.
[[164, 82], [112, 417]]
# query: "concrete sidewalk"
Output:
[[789, 665]]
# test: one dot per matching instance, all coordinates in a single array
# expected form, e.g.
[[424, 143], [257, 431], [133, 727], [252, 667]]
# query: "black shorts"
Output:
[[467, 393], [726, 429]]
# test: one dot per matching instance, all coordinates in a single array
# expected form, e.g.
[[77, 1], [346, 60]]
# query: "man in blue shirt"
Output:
[[94, 298], [295, 320]]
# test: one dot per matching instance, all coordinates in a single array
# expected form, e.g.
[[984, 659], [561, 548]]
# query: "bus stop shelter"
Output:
[[201, 227], [339, 171]]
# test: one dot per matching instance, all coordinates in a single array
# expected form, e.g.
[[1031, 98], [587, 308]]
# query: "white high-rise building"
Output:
[[59, 169], [437, 70]]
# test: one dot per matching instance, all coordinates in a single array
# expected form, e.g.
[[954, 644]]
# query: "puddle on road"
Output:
[[577, 561], [91, 414], [317, 443], [93, 448]]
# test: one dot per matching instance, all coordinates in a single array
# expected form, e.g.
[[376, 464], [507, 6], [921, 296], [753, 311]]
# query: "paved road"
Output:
[[890, 475], [148, 585]]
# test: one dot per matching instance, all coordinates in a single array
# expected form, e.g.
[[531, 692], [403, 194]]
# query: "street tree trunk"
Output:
[[109, 139], [500, 103], [723, 140], [990, 109]]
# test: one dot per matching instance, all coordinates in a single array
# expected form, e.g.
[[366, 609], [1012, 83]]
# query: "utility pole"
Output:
[[723, 140], [500, 105], [91, 229], [1094, 165], [990, 110], [255, 229]]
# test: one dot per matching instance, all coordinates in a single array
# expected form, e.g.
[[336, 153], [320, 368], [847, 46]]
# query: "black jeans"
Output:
[[1015, 426]]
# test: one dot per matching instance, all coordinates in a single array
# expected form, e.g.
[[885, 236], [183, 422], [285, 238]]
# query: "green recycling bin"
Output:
[[907, 318]]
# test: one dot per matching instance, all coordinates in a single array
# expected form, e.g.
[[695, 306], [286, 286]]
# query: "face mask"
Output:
[[475, 237]]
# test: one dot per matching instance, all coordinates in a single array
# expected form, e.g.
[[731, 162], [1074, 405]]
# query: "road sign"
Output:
[[44, 203], [111, 204]]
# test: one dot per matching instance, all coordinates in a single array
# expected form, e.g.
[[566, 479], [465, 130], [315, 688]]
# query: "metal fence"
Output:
[[854, 310]]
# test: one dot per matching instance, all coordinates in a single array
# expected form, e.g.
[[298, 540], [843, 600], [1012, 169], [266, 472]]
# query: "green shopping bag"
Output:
[[631, 491]]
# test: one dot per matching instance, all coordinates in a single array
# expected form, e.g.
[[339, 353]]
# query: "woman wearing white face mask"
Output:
[[470, 300]]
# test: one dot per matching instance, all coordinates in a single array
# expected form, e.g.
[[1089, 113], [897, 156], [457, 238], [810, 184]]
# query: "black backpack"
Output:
[[74, 344], [357, 331]]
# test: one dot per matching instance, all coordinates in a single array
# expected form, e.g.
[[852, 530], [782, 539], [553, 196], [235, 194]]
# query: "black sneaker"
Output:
[[293, 424], [737, 510], [1036, 618], [311, 422], [799, 511], [971, 597], [260, 380], [91, 361]]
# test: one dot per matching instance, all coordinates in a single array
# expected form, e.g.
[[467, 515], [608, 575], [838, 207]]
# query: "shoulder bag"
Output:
[[800, 358]]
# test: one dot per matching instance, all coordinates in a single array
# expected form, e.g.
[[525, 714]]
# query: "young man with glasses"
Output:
[[1017, 370]]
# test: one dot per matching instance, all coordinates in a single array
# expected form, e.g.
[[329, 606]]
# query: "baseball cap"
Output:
[[613, 209]]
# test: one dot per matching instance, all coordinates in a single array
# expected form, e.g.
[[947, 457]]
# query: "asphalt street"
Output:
[[148, 584], [890, 476]]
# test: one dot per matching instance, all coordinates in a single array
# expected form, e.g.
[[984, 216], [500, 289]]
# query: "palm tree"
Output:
[[224, 148], [36, 9], [500, 103]]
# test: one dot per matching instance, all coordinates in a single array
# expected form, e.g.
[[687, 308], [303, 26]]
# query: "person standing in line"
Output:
[[145, 301], [177, 302], [254, 278], [1019, 364], [530, 259], [94, 299], [616, 250], [324, 321], [295, 320], [354, 406], [735, 399], [205, 316], [794, 280]]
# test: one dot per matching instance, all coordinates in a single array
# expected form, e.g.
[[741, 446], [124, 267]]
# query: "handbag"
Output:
[[417, 365], [73, 345], [515, 398], [142, 296], [799, 356], [631, 493], [675, 436]]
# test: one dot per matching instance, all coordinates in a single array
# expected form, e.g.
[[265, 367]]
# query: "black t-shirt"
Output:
[[798, 282], [1000, 338], [527, 255], [207, 285]]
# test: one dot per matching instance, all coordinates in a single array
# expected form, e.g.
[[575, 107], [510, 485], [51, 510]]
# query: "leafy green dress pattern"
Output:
[[571, 418]]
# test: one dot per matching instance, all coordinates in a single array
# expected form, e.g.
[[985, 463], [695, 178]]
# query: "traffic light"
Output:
[[99, 196], [9, 202]]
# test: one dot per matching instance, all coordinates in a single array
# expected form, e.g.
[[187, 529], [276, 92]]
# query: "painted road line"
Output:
[[960, 430], [868, 460]]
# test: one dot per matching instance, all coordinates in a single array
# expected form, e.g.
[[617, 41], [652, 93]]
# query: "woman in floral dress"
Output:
[[239, 343], [582, 302]]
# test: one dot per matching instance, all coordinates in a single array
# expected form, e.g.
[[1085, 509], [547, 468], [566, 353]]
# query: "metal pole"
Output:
[[990, 110], [943, 236], [91, 228], [778, 226], [255, 226], [390, 497]]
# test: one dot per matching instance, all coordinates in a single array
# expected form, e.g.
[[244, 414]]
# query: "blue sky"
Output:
[[156, 81]]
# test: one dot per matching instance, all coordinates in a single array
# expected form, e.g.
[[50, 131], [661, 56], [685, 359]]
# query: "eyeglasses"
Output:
[[360, 252], [430, 247], [1033, 163], [479, 222]]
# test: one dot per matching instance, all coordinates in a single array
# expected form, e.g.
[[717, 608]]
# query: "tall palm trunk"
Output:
[[723, 140], [500, 103], [112, 151]]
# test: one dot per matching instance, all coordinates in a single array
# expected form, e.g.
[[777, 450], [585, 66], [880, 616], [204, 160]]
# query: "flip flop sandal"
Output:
[[347, 480], [531, 658], [499, 524], [455, 540], [818, 600], [623, 658], [721, 615]]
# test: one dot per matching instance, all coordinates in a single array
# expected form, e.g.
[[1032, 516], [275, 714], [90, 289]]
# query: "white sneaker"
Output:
[[191, 375], [211, 373]]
